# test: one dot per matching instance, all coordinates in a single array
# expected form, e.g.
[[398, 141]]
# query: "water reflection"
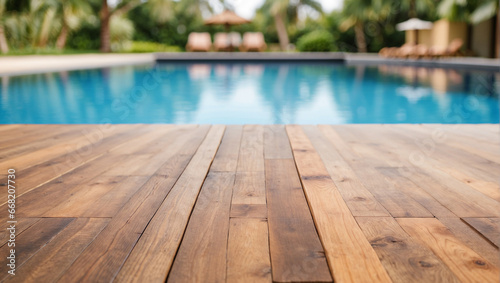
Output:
[[252, 94]]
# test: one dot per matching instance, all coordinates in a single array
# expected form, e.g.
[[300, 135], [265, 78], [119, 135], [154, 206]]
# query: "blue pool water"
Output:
[[241, 93]]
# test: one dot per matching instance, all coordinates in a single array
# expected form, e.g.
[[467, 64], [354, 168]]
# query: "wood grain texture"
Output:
[[251, 157], [463, 261], [203, 259], [472, 238], [52, 260], [21, 225], [488, 227], [350, 256], [249, 210], [153, 255], [227, 156], [291, 225], [458, 197], [360, 201], [112, 202], [276, 143], [32, 240], [114, 244], [396, 176], [248, 251], [404, 259], [249, 188]]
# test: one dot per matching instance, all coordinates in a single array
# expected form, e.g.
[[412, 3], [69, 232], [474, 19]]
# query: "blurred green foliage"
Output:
[[155, 25], [146, 47], [316, 41]]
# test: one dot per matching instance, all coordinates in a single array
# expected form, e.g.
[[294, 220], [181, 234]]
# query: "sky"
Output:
[[246, 8]]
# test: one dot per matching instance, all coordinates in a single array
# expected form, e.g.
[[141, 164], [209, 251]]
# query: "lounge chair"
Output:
[[405, 50], [453, 49], [253, 41], [227, 41], [419, 51], [235, 38], [388, 52], [199, 41]]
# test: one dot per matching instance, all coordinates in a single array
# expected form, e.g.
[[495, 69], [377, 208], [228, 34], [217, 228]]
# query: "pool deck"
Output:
[[201, 203], [32, 64]]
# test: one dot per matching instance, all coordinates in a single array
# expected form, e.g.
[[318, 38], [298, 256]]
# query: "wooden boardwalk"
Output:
[[189, 203]]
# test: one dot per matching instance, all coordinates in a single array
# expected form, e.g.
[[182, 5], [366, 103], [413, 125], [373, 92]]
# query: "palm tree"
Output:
[[71, 13], [161, 10], [357, 12], [285, 11], [4, 47]]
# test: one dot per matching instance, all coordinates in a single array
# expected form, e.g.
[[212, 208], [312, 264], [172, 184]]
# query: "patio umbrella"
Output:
[[415, 25], [227, 18]]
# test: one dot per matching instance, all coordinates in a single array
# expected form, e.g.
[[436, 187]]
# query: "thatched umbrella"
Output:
[[226, 18]]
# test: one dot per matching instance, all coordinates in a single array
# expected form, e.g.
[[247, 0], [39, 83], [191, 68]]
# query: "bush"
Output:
[[316, 41], [145, 47]]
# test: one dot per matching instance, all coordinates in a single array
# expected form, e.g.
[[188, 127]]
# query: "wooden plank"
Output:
[[249, 211], [83, 197], [226, 159], [152, 256], [32, 240], [276, 143], [461, 199], [463, 261], [251, 157], [472, 238], [35, 140], [114, 244], [56, 192], [445, 136], [54, 168], [248, 251], [395, 201], [288, 213], [249, 188], [52, 260], [21, 225], [203, 259], [438, 152], [396, 176], [404, 259], [488, 188], [79, 143], [488, 227], [350, 255], [109, 204], [359, 200]]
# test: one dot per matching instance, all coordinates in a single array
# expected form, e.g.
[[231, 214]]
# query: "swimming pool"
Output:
[[252, 93]]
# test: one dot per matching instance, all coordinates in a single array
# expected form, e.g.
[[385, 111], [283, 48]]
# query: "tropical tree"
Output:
[[71, 14], [4, 47], [161, 10], [285, 12], [484, 11], [357, 12]]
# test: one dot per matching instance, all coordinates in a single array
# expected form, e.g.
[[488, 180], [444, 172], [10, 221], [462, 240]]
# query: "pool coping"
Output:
[[33, 64], [329, 57]]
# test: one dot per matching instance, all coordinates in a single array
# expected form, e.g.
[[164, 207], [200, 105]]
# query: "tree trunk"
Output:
[[282, 33], [63, 36], [360, 37], [4, 47], [105, 37]]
